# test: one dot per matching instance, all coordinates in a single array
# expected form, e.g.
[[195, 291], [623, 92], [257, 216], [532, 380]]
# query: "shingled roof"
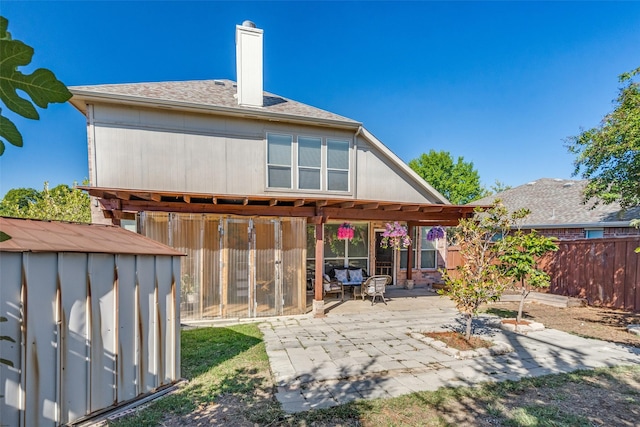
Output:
[[217, 95], [559, 202]]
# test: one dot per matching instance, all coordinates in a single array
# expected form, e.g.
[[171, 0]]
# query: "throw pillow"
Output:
[[341, 275], [355, 275]]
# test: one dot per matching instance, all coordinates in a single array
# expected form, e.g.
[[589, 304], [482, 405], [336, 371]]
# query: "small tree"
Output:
[[522, 253], [480, 278]]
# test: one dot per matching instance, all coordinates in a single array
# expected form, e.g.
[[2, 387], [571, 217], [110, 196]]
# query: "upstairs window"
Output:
[[337, 165], [279, 160], [309, 163]]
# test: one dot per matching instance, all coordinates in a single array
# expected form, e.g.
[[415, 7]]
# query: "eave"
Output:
[[125, 203], [83, 97]]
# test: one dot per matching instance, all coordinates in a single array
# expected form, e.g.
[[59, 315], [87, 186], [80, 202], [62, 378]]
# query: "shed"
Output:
[[89, 320]]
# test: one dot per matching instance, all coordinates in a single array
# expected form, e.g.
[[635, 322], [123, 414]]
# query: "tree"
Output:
[[522, 253], [42, 86], [481, 277], [61, 203], [609, 155], [459, 182], [498, 187]]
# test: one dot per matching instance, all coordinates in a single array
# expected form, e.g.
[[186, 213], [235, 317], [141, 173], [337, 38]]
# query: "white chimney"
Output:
[[249, 64]]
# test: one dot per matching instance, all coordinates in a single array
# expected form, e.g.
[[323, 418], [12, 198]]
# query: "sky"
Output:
[[501, 84]]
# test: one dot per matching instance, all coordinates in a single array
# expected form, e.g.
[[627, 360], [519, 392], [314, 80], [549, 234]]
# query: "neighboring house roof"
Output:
[[30, 235], [560, 203], [214, 95]]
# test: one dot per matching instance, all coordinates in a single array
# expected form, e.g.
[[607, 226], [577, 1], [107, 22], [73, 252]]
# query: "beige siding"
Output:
[[187, 152], [380, 179]]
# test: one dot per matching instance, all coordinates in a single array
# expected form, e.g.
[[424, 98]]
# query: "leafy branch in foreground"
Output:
[[42, 86]]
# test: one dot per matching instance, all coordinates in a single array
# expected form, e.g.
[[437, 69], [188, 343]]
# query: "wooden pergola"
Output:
[[118, 204]]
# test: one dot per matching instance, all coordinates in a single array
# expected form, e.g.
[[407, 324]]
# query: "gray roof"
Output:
[[558, 202], [206, 94]]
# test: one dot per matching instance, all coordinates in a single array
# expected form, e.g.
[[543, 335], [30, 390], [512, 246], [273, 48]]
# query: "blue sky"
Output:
[[500, 83]]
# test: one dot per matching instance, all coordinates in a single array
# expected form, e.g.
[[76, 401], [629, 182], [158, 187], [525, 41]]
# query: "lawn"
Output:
[[230, 384]]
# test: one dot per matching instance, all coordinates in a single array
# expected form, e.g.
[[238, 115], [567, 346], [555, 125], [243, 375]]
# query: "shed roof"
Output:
[[560, 202], [215, 95], [29, 235]]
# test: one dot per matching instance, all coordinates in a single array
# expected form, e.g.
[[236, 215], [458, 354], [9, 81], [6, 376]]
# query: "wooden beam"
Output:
[[245, 202], [298, 203], [123, 195], [321, 203], [260, 210], [214, 200], [347, 205], [414, 208], [432, 209], [186, 198], [392, 207], [156, 197], [371, 205], [273, 202]]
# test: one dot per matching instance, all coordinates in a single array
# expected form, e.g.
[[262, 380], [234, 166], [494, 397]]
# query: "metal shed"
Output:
[[89, 320]]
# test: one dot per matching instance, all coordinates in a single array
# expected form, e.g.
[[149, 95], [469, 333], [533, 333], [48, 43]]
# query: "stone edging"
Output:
[[522, 329], [498, 348], [634, 329]]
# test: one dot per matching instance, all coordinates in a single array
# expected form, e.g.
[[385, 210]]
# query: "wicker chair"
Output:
[[332, 287], [375, 286]]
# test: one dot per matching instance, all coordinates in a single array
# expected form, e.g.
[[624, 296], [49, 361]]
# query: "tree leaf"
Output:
[[10, 132], [4, 236], [41, 86]]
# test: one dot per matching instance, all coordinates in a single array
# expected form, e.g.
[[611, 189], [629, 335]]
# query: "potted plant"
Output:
[[188, 289], [395, 236]]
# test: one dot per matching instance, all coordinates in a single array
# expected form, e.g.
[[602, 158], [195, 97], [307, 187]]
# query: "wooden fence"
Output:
[[605, 272]]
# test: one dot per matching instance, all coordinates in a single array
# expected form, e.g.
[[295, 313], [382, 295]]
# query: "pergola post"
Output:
[[318, 300], [410, 228]]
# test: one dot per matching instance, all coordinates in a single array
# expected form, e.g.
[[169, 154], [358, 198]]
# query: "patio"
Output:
[[360, 351]]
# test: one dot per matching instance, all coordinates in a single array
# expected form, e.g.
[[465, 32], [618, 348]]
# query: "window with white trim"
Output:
[[337, 165], [309, 163], [279, 149], [427, 250]]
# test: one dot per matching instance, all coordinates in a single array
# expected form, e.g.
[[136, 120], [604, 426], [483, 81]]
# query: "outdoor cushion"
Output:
[[355, 275], [341, 275]]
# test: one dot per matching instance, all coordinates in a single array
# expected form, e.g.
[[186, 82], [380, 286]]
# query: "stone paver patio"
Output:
[[360, 351]]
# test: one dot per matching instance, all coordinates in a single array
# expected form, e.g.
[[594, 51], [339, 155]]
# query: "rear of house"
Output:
[[253, 187]]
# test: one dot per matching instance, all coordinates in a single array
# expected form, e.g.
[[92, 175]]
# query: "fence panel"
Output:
[[603, 271]]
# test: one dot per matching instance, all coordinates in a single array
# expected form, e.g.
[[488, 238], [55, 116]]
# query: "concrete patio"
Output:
[[364, 351]]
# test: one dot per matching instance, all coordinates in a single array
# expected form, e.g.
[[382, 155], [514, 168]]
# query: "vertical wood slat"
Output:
[[147, 342], [75, 341], [631, 289], [127, 362], [103, 331], [12, 400], [618, 291], [40, 338]]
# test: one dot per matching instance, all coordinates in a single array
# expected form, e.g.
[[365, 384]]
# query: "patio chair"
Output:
[[375, 286], [332, 287]]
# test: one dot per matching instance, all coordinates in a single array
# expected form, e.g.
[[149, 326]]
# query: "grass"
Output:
[[230, 365]]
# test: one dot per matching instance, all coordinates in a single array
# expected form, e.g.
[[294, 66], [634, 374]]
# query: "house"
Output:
[[558, 209], [253, 187], [89, 320]]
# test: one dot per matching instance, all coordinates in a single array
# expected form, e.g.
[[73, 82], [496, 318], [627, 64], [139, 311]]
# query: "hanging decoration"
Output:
[[435, 233], [345, 231], [395, 236]]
